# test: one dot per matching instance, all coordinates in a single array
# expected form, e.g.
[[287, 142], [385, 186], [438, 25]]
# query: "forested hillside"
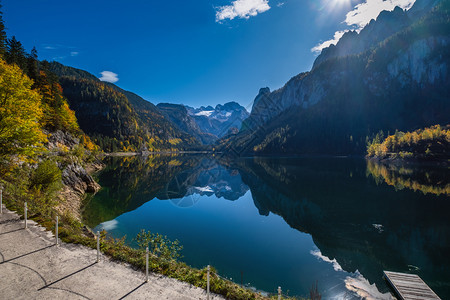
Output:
[[32, 104], [116, 119]]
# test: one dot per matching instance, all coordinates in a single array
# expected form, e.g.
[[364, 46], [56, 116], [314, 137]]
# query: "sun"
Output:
[[334, 5], [343, 3]]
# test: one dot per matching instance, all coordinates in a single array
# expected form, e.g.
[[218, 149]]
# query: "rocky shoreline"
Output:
[[76, 174], [77, 181]]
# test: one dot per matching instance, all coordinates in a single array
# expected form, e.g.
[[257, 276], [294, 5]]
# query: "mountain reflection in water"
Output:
[[360, 224]]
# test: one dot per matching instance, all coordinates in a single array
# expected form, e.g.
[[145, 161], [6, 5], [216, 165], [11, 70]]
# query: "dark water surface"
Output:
[[287, 222]]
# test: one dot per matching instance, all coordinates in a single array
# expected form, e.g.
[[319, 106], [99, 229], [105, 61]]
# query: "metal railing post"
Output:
[[1, 201], [207, 282], [98, 246], [146, 264], [56, 230], [25, 214]]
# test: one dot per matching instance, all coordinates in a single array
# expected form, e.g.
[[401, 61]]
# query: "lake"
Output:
[[289, 222]]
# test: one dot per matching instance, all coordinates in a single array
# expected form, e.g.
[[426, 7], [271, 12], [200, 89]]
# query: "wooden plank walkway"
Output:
[[409, 286]]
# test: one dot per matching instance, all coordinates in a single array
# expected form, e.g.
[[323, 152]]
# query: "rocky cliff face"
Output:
[[416, 64], [393, 75], [303, 90], [76, 179], [387, 23], [74, 175]]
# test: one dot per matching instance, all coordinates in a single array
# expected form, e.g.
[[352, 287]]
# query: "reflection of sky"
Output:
[[318, 254], [204, 189], [108, 225], [233, 237], [364, 289], [356, 284]]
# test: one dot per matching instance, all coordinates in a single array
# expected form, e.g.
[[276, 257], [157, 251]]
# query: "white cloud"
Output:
[[109, 77], [280, 4], [74, 53], [56, 58], [364, 12], [242, 9], [361, 15], [337, 36]]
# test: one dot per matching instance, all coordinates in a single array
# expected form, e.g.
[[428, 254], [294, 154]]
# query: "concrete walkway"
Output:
[[32, 267]]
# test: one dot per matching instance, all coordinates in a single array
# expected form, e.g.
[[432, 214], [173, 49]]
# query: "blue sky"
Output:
[[196, 52]]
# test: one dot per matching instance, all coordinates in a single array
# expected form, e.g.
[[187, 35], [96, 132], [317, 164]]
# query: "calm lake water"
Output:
[[286, 222]]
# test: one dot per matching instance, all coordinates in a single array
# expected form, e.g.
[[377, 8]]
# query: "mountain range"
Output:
[[207, 124], [392, 75]]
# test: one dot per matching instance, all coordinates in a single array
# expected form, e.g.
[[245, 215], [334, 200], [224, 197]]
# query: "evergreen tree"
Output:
[[2, 34], [33, 65], [34, 53], [15, 53]]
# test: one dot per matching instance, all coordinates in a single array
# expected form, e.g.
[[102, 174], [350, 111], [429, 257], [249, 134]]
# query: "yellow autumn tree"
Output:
[[20, 112], [57, 114]]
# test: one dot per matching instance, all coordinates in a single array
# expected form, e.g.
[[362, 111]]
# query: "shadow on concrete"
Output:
[[11, 231], [10, 221], [132, 291], [17, 257], [67, 276], [71, 292]]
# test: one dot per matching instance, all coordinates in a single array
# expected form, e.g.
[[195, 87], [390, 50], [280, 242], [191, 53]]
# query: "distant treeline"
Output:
[[432, 143]]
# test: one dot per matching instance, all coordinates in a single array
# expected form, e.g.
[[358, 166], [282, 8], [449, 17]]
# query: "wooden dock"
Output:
[[409, 286]]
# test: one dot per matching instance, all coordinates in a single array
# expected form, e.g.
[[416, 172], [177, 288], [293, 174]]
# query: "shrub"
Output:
[[46, 176], [159, 245]]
